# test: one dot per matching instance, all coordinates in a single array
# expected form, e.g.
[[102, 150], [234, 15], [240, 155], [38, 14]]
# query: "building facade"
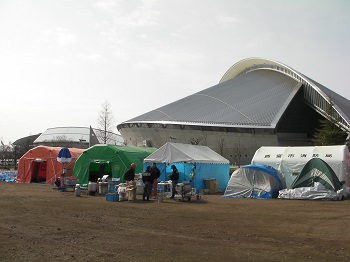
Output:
[[258, 102], [77, 137]]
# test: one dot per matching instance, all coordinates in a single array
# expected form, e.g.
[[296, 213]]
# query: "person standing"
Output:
[[147, 179], [156, 174], [174, 176], [130, 174]]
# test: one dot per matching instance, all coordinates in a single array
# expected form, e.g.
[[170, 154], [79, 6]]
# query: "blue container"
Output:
[[112, 197], [111, 188]]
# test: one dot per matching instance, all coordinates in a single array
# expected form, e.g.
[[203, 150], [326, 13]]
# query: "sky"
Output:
[[61, 60]]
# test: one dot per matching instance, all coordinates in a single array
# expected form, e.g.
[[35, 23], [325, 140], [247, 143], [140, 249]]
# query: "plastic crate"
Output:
[[112, 197]]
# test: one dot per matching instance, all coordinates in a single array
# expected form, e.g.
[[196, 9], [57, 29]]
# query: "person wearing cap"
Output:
[[156, 174], [147, 179], [174, 176], [130, 174]]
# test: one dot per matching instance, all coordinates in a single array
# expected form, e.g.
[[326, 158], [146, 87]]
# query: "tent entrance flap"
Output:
[[97, 169], [38, 170]]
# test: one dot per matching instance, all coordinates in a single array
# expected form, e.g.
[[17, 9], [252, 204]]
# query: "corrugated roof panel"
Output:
[[257, 98]]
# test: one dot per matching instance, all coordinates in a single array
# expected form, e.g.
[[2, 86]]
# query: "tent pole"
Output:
[[184, 171]]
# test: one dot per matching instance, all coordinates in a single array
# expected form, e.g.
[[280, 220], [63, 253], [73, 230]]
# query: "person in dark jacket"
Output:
[[156, 174], [147, 179], [130, 174], [174, 176]]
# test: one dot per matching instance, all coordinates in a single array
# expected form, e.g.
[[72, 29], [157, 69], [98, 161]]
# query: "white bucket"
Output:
[[77, 190], [103, 188], [160, 197], [92, 188]]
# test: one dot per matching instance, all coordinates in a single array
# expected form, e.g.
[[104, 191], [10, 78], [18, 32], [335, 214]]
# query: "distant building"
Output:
[[78, 137], [22, 145], [258, 102], [25, 143]]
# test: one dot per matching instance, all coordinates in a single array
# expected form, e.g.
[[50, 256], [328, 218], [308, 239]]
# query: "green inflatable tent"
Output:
[[103, 159], [317, 170]]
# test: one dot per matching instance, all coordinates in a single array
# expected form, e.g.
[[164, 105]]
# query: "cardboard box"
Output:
[[131, 194], [216, 187], [210, 184]]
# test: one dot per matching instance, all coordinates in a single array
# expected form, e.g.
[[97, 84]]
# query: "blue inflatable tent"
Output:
[[255, 181]]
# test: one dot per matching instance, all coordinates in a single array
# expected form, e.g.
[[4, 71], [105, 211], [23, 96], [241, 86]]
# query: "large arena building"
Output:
[[258, 102]]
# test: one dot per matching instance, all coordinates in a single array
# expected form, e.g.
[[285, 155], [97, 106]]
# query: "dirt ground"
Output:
[[40, 223]]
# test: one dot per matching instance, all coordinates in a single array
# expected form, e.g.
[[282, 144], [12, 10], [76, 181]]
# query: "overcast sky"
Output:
[[60, 60]]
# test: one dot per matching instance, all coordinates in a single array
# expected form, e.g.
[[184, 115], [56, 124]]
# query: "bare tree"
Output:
[[195, 141], [205, 142], [237, 149], [105, 123], [62, 138], [220, 145], [62, 141], [5, 151], [132, 142]]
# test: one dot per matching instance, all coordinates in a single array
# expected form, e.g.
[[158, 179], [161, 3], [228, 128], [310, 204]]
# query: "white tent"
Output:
[[203, 161], [291, 160], [176, 152]]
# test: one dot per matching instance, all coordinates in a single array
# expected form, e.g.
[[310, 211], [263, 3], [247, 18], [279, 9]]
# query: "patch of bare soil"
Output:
[[40, 223]]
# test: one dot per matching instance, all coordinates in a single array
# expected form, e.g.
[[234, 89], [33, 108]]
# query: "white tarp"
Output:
[[317, 192], [176, 152], [291, 160]]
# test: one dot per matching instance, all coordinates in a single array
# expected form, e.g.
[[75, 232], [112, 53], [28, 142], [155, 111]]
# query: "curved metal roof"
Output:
[[316, 95], [74, 134], [253, 93]]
